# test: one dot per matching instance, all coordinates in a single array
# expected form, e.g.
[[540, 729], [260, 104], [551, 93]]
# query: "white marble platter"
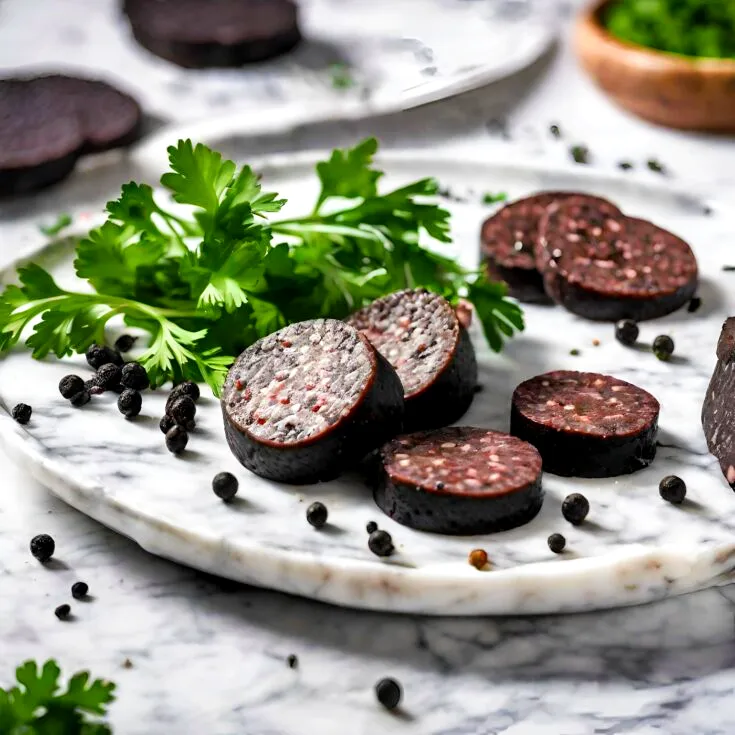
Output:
[[392, 54], [634, 548]]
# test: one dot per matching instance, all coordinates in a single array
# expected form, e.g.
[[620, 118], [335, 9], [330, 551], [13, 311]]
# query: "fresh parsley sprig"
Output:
[[213, 273], [38, 706]]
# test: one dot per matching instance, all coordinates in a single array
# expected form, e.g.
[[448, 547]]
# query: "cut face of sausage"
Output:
[[604, 266], [203, 33], [460, 480], [586, 424], [509, 239], [419, 333], [718, 411], [309, 401]]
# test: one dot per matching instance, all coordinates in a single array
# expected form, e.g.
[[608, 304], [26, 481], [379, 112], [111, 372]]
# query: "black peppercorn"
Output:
[[575, 508], [80, 399], [557, 543], [389, 693], [70, 385], [93, 387], [673, 489], [694, 304], [293, 661], [371, 527], [381, 543], [125, 342], [134, 376], [166, 423], [22, 413], [190, 425], [186, 388], [625, 165], [43, 547], [316, 514], [555, 131], [225, 486], [663, 347], [108, 376], [176, 439], [62, 612], [626, 332], [129, 403], [79, 590], [182, 410], [99, 355]]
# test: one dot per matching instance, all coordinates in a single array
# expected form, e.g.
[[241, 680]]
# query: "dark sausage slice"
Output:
[[718, 411], [309, 401], [508, 242], [605, 266], [585, 424], [460, 481], [201, 33], [419, 333]]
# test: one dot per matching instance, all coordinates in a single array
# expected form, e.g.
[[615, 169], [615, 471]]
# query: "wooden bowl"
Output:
[[671, 90]]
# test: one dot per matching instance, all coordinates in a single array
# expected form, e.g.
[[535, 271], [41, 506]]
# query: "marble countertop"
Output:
[[209, 656]]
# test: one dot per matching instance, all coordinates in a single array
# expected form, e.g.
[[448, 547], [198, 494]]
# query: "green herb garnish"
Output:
[[580, 153], [38, 706], [490, 198], [208, 278], [62, 222], [341, 76], [701, 28]]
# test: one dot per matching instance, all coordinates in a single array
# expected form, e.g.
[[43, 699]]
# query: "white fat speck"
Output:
[[404, 463], [545, 383], [437, 462], [494, 458], [518, 245], [617, 388], [401, 456], [466, 447], [613, 400], [569, 407], [731, 474], [448, 445], [550, 403], [495, 476], [471, 472]]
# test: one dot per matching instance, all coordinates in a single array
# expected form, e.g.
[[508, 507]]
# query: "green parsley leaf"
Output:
[[490, 198], [349, 174], [62, 222]]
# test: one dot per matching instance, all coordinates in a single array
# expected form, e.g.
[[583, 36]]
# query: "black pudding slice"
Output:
[[309, 402], [418, 332], [460, 481]]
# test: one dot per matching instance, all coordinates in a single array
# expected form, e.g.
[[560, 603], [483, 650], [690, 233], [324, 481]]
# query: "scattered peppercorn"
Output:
[[580, 153], [176, 439], [557, 543], [70, 385], [129, 403], [625, 165], [225, 486], [134, 376], [108, 376], [655, 166], [182, 410], [22, 413], [79, 590], [190, 425], [62, 612], [317, 514], [93, 387], [673, 489], [555, 131], [575, 352], [439, 485], [371, 527], [381, 543], [125, 342], [389, 693], [292, 661], [478, 558], [81, 398], [478, 388], [694, 304], [43, 547], [663, 347], [575, 508], [186, 388], [127, 664], [166, 423], [99, 355], [728, 267], [626, 332]]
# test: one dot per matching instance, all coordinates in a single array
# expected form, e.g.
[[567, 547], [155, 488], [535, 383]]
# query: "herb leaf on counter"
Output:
[[208, 276]]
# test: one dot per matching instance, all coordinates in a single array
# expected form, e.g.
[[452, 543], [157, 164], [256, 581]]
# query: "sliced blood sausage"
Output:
[[718, 411], [604, 266], [586, 424], [459, 481], [419, 333], [214, 33], [508, 242], [47, 122], [308, 402]]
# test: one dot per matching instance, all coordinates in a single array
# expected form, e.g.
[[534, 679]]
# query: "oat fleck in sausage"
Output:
[[308, 402], [459, 481], [419, 333], [586, 424]]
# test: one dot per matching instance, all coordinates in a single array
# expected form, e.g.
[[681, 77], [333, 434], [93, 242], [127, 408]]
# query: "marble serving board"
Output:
[[359, 57], [634, 547]]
